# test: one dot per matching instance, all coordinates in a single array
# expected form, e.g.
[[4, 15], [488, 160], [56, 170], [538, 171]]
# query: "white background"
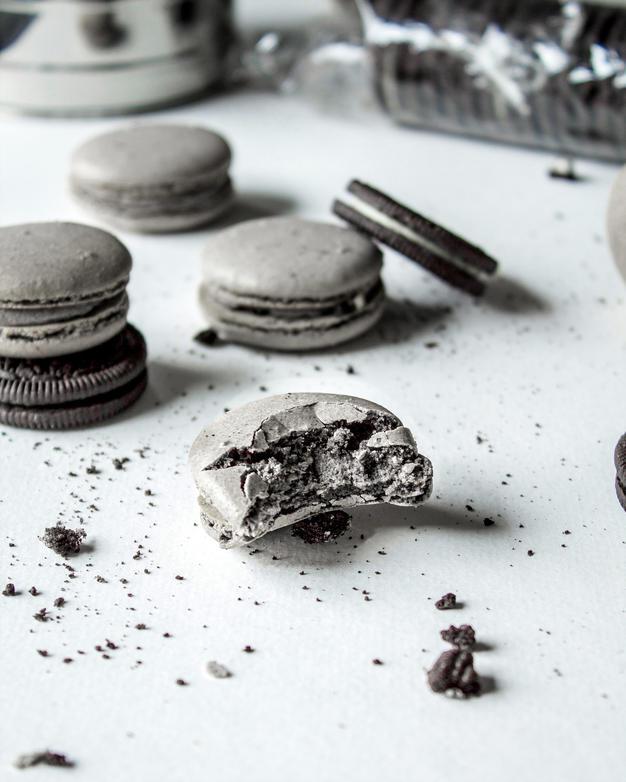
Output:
[[536, 370]]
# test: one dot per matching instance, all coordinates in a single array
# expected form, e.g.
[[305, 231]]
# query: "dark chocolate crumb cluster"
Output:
[[63, 541], [462, 637], [447, 601], [45, 758], [453, 674], [323, 527]]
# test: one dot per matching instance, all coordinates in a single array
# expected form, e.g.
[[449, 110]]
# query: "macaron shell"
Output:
[[616, 221], [57, 263], [150, 155], [207, 209], [288, 258]]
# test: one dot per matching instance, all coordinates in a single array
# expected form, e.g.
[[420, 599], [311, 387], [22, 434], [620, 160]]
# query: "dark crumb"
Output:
[[43, 652], [120, 464], [101, 580], [376, 661], [33, 591], [350, 370], [67, 660], [431, 345], [63, 541], [42, 615], [46, 758], [217, 670], [247, 648], [59, 602], [167, 635], [140, 626], [530, 552], [453, 673], [181, 682], [488, 522], [209, 338], [564, 169], [447, 601], [462, 637], [323, 527], [9, 590], [92, 470], [179, 578]]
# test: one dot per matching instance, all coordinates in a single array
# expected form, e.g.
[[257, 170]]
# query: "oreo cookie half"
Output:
[[441, 252], [76, 390], [620, 466]]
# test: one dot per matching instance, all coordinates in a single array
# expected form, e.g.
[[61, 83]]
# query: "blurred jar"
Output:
[[95, 57]]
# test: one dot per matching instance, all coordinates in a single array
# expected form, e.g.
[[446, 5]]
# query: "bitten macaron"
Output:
[[67, 355], [154, 178], [290, 284]]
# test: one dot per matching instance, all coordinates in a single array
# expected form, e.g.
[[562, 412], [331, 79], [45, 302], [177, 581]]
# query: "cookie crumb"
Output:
[[462, 637], [59, 602], [208, 337], [33, 591], [247, 648], [9, 590], [488, 522], [181, 682], [446, 601], [376, 661], [453, 674], [45, 758], [63, 541]]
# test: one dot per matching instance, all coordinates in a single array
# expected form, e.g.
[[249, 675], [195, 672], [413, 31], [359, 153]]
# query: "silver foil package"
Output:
[[538, 73]]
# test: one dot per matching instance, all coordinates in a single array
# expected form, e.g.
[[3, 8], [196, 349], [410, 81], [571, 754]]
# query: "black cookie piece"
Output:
[[462, 637], [446, 601], [620, 466], [323, 527], [439, 251], [453, 673], [74, 390]]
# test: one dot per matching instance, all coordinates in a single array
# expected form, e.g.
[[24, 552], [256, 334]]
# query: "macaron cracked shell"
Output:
[[154, 178], [282, 459], [291, 284]]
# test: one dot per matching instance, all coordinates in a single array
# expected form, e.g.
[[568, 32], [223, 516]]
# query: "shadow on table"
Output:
[[508, 295], [367, 521], [250, 205]]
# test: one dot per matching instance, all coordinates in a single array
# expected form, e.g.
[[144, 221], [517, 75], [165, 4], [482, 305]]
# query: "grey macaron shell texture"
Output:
[[154, 178], [289, 283], [223, 499], [62, 288], [616, 221]]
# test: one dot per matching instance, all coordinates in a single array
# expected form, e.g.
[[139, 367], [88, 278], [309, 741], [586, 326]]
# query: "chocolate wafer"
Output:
[[76, 390], [441, 252]]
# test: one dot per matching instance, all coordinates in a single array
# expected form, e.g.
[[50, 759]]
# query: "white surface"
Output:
[[539, 375]]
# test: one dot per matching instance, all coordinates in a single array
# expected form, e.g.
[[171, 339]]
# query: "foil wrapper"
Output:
[[538, 73]]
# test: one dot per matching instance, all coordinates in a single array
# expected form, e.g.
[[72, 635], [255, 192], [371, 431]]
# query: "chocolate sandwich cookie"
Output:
[[620, 466], [286, 458], [76, 390], [62, 288], [291, 284], [154, 178], [441, 252]]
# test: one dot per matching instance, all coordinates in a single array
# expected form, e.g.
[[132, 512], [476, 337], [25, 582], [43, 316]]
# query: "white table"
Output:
[[536, 371]]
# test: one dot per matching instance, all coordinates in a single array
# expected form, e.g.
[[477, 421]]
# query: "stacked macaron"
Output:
[[67, 355], [291, 284], [154, 178]]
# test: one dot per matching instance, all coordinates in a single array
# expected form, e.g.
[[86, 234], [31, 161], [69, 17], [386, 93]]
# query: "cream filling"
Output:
[[372, 213]]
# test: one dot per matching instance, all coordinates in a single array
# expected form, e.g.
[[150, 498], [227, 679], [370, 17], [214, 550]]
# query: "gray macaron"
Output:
[[62, 288], [282, 459], [616, 221], [154, 178], [291, 284]]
